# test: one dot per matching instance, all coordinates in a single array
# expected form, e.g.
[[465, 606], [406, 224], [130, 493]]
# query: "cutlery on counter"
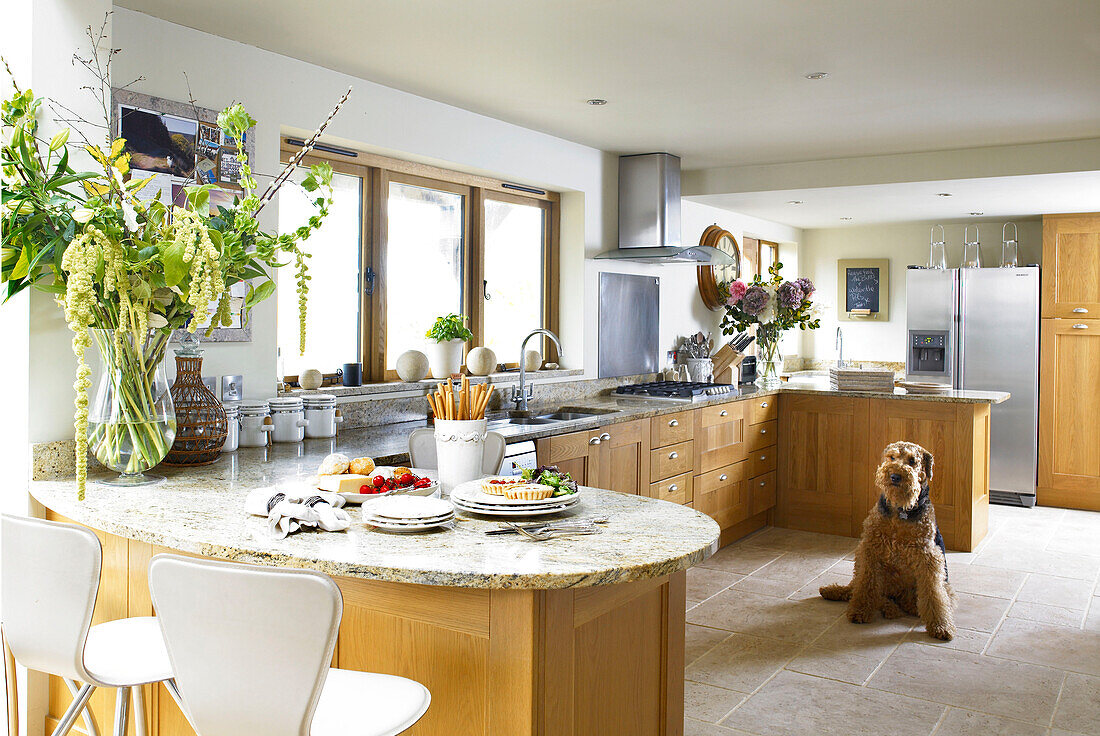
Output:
[[560, 528]]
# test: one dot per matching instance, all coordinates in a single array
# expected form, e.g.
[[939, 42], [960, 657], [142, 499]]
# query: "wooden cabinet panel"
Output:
[[1069, 414], [822, 444], [712, 416], [671, 428], [627, 447], [581, 454], [762, 461], [677, 489], [1071, 266], [723, 494], [666, 462], [761, 435], [762, 493], [719, 437], [764, 409]]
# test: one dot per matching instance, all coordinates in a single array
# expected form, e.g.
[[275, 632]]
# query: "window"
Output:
[[424, 249], [332, 337], [406, 243], [515, 238]]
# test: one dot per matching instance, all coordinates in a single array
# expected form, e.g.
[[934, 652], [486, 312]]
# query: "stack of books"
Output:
[[855, 379]]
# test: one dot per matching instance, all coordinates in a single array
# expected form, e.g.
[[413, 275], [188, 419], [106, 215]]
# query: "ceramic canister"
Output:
[[288, 416], [255, 428], [459, 449], [232, 425], [322, 415]]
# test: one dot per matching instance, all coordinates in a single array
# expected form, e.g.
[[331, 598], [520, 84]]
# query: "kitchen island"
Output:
[[579, 635]]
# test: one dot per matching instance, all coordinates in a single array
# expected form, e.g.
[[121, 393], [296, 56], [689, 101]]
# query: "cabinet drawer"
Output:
[[762, 491], [677, 489], [763, 409], [761, 461], [671, 428], [710, 416], [672, 460], [715, 479], [723, 495], [761, 435]]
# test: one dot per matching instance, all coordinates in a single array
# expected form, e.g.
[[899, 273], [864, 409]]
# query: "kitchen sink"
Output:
[[508, 421], [566, 416]]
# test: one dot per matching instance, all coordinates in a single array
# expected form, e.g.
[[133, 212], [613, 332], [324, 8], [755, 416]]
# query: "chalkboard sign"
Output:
[[863, 290]]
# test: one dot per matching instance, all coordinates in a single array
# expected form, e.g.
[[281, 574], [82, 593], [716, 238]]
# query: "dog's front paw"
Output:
[[860, 616], [891, 610], [941, 632]]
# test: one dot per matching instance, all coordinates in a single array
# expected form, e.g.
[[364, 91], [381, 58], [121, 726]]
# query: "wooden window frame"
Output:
[[376, 173]]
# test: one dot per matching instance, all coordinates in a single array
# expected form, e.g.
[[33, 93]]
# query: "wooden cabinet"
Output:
[[1069, 414], [627, 449], [1071, 266], [666, 462], [719, 436], [677, 489], [669, 429], [581, 454], [723, 495]]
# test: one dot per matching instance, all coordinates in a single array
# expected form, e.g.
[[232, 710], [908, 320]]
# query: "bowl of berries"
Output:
[[385, 481]]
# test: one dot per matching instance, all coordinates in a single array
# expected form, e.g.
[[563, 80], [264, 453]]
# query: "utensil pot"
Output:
[[460, 449]]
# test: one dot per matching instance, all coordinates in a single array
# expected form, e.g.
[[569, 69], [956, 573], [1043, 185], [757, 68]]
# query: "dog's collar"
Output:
[[913, 513]]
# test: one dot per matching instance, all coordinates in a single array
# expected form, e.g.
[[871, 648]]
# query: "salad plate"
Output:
[[386, 471]]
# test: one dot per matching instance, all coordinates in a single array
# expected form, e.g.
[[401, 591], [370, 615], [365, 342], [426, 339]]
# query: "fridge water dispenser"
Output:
[[928, 351]]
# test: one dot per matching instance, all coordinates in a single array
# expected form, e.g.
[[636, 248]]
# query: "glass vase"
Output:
[[131, 419], [769, 362]]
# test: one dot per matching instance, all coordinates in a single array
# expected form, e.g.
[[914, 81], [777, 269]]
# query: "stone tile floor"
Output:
[[766, 655]]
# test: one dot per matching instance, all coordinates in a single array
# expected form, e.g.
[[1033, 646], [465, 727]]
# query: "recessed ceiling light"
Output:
[[794, 201], [943, 194], [977, 214], [596, 102], [846, 218], [814, 76]]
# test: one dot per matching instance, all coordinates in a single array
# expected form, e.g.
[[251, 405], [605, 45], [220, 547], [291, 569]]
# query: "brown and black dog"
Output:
[[901, 562]]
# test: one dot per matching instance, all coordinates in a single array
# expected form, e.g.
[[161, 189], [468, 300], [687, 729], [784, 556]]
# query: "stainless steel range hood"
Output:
[[649, 214]]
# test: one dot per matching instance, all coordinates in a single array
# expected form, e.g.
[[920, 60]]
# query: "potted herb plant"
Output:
[[445, 341]]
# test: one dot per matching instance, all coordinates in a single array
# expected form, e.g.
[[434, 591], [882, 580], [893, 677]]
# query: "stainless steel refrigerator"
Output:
[[978, 328]]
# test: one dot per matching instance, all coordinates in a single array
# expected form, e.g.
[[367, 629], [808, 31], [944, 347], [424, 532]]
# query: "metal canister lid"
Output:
[[285, 403], [232, 408], [253, 407], [319, 401]]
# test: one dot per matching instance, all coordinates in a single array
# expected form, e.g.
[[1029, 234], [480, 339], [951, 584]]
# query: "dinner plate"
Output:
[[471, 492], [403, 508], [392, 527], [386, 470], [518, 511]]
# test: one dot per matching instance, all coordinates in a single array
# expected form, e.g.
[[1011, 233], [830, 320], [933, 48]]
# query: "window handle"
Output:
[[485, 290], [368, 278]]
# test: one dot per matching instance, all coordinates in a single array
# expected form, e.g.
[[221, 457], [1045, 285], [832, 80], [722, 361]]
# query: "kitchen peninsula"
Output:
[[573, 636]]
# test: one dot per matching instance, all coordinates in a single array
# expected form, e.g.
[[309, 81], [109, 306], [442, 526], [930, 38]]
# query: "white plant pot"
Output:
[[459, 449], [445, 358]]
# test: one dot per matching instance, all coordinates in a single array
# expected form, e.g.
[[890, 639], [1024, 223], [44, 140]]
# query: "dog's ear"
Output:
[[929, 462]]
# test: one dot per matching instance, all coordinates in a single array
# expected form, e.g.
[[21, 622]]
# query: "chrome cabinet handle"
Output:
[[594, 441], [762, 483], [763, 431], [674, 423], [764, 405], [1080, 326], [605, 437], [672, 488], [673, 455], [723, 413], [723, 476], [763, 457], [1080, 310]]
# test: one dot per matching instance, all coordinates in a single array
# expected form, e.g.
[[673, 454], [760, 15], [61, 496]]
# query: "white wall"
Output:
[[903, 244], [681, 309]]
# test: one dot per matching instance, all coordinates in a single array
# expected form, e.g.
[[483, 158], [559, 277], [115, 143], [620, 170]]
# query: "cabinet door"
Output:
[[1069, 414], [723, 495], [581, 454], [822, 443], [627, 448], [719, 436], [1071, 265]]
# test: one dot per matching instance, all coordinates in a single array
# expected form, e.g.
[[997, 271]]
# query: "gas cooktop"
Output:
[[683, 391]]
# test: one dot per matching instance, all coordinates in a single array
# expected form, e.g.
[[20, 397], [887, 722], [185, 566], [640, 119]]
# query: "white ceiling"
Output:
[[994, 197], [719, 82]]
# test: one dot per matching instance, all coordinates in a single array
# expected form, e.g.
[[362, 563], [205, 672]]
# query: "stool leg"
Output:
[[122, 709], [89, 722], [75, 707], [139, 710]]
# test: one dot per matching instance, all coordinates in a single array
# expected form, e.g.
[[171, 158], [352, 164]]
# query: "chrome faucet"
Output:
[[840, 349], [524, 390]]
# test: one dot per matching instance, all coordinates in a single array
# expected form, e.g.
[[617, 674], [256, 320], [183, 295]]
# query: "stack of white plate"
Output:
[[470, 497], [407, 513], [924, 387]]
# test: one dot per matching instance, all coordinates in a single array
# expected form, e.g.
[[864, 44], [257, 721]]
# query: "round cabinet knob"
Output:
[[673, 455], [674, 423], [723, 476], [723, 413], [605, 437], [594, 441], [763, 457], [1080, 310], [762, 484], [1080, 326], [763, 405], [673, 488], [763, 431]]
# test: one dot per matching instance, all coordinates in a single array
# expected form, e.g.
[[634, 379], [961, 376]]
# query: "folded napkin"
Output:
[[288, 512]]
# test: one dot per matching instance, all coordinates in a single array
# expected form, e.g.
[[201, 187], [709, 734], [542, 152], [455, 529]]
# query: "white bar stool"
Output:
[[251, 648], [422, 451], [50, 583]]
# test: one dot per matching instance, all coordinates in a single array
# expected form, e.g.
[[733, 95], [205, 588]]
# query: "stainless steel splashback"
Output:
[[629, 324]]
